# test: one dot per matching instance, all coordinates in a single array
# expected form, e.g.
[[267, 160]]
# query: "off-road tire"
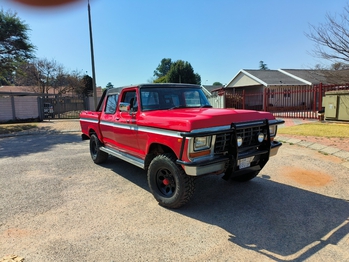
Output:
[[168, 182], [97, 155]]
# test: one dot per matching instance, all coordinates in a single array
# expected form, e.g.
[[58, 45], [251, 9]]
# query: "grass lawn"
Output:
[[317, 129], [10, 128]]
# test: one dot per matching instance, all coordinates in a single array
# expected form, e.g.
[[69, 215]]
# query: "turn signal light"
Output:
[[199, 153]]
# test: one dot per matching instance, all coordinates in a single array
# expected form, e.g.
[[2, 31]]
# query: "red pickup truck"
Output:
[[172, 132]]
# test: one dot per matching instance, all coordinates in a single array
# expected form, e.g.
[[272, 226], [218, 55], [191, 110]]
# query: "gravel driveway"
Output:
[[56, 205]]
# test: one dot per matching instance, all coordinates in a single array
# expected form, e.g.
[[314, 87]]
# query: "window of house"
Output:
[[287, 93], [271, 93]]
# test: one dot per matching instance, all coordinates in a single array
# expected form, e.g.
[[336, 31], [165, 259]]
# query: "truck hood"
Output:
[[186, 120]]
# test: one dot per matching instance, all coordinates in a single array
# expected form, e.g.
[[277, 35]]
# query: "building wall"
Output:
[[243, 80], [26, 107], [5, 109], [18, 107]]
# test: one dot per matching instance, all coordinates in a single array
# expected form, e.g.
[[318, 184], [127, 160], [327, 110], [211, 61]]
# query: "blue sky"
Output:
[[217, 37]]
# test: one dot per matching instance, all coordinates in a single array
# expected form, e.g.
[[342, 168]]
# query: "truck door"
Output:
[[126, 128], [107, 120]]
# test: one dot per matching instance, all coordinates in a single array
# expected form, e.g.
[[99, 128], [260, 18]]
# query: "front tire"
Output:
[[168, 182], [97, 155]]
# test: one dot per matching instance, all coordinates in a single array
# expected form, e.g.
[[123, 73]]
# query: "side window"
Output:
[[131, 97], [111, 104], [128, 96]]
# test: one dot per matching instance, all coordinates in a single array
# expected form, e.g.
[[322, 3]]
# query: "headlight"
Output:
[[272, 130], [201, 143], [239, 141], [260, 137]]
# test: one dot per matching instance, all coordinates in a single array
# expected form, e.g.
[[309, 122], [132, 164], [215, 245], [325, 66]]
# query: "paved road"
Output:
[[56, 205]]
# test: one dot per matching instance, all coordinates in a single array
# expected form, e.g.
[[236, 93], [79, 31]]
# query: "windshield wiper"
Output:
[[181, 106], [176, 107]]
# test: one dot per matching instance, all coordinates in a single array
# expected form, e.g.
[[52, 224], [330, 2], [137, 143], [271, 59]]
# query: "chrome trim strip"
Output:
[[121, 126], [254, 123], [211, 129], [276, 122], [157, 131], [204, 170], [89, 120], [124, 156]]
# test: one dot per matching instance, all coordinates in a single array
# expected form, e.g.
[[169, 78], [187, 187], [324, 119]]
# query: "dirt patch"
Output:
[[16, 232], [307, 177]]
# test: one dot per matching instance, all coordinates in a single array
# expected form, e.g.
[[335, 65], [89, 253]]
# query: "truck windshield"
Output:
[[156, 98]]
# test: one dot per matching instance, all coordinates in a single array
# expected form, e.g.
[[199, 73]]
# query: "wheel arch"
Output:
[[154, 150], [92, 131]]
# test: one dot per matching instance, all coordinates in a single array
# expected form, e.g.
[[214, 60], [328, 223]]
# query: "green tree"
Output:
[[263, 66], [109, 85], [87, 85], [15, 46], [217, 84], [162, 79], [163, 68], [198, 79], [182, 72]]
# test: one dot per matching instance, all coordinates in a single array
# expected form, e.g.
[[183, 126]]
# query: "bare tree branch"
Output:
[[332, 38]]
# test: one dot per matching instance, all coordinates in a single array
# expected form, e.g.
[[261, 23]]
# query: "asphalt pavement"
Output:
[[57, 205]]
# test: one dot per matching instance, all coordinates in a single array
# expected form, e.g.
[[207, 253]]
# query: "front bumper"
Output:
[[274, 148], [214, 166], [219, 163]]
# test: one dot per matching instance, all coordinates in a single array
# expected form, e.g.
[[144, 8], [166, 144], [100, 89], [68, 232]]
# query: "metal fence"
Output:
[[20, 107], [287, 102]]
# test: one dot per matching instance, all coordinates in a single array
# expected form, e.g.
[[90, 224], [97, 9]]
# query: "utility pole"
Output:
[[92, 56]]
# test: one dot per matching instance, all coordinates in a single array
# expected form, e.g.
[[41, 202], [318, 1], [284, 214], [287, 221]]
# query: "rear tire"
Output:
[[97, 155], [168, 182]]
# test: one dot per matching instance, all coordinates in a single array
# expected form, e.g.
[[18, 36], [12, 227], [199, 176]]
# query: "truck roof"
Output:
[[117, 90]]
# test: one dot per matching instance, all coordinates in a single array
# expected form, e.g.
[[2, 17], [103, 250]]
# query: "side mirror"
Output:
[[124, 107]]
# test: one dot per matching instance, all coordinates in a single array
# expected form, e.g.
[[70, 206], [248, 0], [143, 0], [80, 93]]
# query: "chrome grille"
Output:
[[249, 135], [222, 142]]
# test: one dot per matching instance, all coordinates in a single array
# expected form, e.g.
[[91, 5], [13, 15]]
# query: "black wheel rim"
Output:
[[165, 182]]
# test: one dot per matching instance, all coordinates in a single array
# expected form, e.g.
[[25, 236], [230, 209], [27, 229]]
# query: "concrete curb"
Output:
[[327, 150]]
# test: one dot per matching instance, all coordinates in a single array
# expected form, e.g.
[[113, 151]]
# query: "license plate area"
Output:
[[245, 162]]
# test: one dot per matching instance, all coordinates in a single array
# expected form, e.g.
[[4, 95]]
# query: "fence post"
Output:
[[40, 108], [265, 93], [320, 97], [13, 108], [243, 99]]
